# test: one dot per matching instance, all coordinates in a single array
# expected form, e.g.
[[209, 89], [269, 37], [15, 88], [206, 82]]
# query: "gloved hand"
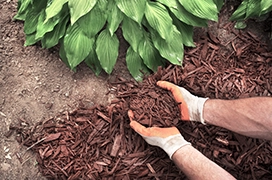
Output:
[[191, 106], [169, 139]]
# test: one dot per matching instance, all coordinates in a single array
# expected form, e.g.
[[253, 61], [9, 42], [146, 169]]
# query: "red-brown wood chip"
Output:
[[97, 142]]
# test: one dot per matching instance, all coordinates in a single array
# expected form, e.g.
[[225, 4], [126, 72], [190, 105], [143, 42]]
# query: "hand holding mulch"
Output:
[[191, 106], [169, 139]]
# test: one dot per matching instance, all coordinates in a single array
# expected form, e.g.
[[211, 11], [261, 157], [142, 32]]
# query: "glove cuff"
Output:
[[200, 104], [173, 143]]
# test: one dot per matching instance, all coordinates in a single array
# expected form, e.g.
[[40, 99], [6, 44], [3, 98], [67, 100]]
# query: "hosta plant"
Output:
[[251, 9], [156, 30]]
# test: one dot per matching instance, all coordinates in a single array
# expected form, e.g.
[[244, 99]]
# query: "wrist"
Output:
[[174, 143], [200, 108]]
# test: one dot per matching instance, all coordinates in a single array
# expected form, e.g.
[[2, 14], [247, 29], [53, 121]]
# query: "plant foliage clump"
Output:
[[156, 30], [250, 9]]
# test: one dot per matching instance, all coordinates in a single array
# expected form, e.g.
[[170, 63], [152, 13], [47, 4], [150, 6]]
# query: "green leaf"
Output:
[[24, 7], [134, 9], [31, 22], [183, 15], [93, 62], [76, 45], [135, 64], [114, 18], [47, 26], [51, 39], [30, 39], [219, 4], [266, 6], [205, 9], [248, 8], [186, 32], [54, 8], [107, 50], [159, 19], [32, 16], [132, 32], [253, 8], [240, 13], [149, 54], [62, 54], [172, 51], [103, 5], [79, 8], [92, 22]]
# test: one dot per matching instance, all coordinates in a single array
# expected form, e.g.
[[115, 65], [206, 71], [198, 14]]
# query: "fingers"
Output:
[[178, 97], [140, 129], [173, 88], [153, 131], [166, 85], [130, 115]]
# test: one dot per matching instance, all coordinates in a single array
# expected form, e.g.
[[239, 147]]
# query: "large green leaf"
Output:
[[266, 6], [248, 8], [205, 9], [47, 26], [54, 8], [31, 21], [23, 6], [183, 15], [219, 4], [93, 21], [253, 8], [107, 50], [186, 32], [240, 13], [30, 39], [159, 19], [32, 16], [93, 62], [79, 8], [51, 39], [132, 32], [134, 9], [62, 54], [149, 53], [172, 51], [115, 17], [135, 64], [103, 5], [76, 45]]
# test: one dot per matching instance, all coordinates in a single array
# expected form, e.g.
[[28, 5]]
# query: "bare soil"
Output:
[[35, 85]]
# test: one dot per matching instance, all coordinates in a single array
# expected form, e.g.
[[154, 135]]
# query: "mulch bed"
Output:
[[97, 142]]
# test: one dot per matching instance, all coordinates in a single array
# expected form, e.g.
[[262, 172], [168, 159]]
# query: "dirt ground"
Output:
[[36, 85]]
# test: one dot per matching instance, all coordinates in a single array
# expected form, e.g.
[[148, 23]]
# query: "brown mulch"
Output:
[[97, 142]]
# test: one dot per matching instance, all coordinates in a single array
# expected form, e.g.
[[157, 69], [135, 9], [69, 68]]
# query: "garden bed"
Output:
[[97, 142]]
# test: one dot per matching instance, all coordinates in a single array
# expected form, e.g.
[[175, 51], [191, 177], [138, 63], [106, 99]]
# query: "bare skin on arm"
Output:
[[196, 166], [250, 117]]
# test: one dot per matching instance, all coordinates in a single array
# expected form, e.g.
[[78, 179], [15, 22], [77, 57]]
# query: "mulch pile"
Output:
[[97, 142]]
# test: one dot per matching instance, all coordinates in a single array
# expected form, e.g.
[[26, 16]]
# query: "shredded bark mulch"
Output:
[[97, 142]]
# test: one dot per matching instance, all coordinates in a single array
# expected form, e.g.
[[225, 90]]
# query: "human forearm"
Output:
[[251, 116], [196, 166]]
